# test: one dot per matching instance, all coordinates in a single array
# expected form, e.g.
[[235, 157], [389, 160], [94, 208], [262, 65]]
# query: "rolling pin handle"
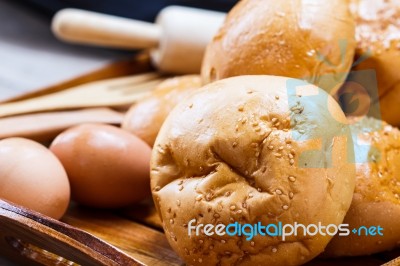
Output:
[[85, 27]]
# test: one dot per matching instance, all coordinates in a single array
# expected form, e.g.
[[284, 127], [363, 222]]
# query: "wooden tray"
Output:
[[97, 237], [85, 236]]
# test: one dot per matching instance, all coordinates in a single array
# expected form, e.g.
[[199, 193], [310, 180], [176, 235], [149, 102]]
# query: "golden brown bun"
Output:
[[376, 200], [145, 118], [378, 38], [229, 153], [284, 38]]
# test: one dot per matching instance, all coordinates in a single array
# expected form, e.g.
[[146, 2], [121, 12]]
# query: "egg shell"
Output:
[[107, 167], [31, 176]]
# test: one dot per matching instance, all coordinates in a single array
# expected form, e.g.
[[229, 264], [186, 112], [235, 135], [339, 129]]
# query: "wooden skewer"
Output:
[[106, 93], [44, 127]]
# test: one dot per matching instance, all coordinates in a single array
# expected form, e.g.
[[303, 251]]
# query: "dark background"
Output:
[[137, 9]]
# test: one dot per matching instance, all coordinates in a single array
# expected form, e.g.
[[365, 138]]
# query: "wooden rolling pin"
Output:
[[177, 40]]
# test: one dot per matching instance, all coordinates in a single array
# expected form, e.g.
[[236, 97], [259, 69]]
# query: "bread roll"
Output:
[[145, 118], [378, 41], [376, 201], [285, 38], [240, 150]]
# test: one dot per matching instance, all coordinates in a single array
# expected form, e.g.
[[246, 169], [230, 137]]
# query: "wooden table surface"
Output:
[[32, 58]]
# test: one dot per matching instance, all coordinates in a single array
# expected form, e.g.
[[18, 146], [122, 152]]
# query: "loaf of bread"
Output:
[[145, 118], [232, 152], [378, 49], [312, 40], [376, 200]]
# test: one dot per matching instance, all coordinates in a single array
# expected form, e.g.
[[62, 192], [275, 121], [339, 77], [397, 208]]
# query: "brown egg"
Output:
[[107, 167], [31, 176]]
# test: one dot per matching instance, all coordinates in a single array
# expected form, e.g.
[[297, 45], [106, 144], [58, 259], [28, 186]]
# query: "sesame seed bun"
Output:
[[284, 38], [378, 41], [376, 200], [245, 149], [144, 119]]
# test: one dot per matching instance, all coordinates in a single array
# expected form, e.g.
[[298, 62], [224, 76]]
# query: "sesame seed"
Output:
[[180, 188], [285, 207], [233, 207], [292, 178], [180, 182], [277, 97], [171, 221], [208, 197], [270, 147], [291, 162], [278, 191], [274, 250], [234, 144], [178, 202], [291, 195], [161, 150], [223, 241], [252, 243], [241, 108]]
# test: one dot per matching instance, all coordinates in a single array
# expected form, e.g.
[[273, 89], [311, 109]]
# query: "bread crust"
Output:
[[378, 42], [284, 38], [233, 151], [376, 200], [144, 119]]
